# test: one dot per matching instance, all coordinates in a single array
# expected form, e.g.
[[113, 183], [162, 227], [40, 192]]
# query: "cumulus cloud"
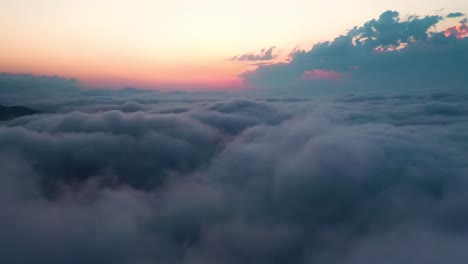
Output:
[[384, 53], [264, 55], [141, 177]]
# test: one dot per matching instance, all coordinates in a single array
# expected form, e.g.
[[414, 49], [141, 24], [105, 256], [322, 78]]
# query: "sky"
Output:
[[179, 44]]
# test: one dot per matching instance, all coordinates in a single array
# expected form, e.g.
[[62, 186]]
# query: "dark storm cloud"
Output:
[[264, 55], [384, 53], [455, 14], [130, 177]]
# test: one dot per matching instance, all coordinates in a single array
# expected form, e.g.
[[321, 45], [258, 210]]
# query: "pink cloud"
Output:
[[460, 31], [320, 74]]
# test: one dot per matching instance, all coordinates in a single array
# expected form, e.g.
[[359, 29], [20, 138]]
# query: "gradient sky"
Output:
[[174, 43]]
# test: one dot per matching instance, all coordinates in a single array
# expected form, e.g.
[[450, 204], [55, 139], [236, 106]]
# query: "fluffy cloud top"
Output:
[[144, 177]]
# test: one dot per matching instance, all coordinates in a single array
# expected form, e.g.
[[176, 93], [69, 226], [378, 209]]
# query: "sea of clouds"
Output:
[[369, 165], [138, 177]]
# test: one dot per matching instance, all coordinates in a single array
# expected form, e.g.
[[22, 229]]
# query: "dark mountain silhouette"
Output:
[[10, 112]]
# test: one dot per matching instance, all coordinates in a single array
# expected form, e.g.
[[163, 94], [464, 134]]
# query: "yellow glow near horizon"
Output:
[[179, 41]]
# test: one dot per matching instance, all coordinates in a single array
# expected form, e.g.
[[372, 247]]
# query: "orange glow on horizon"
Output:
[[118, 74]]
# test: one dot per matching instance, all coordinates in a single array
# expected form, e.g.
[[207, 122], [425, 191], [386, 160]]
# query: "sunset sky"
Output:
[[176, 43]]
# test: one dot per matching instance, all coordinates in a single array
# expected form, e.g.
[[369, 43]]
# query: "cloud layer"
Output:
[[264, 55], [455, 14], [23, 88], [145, 177], [384, 53]]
